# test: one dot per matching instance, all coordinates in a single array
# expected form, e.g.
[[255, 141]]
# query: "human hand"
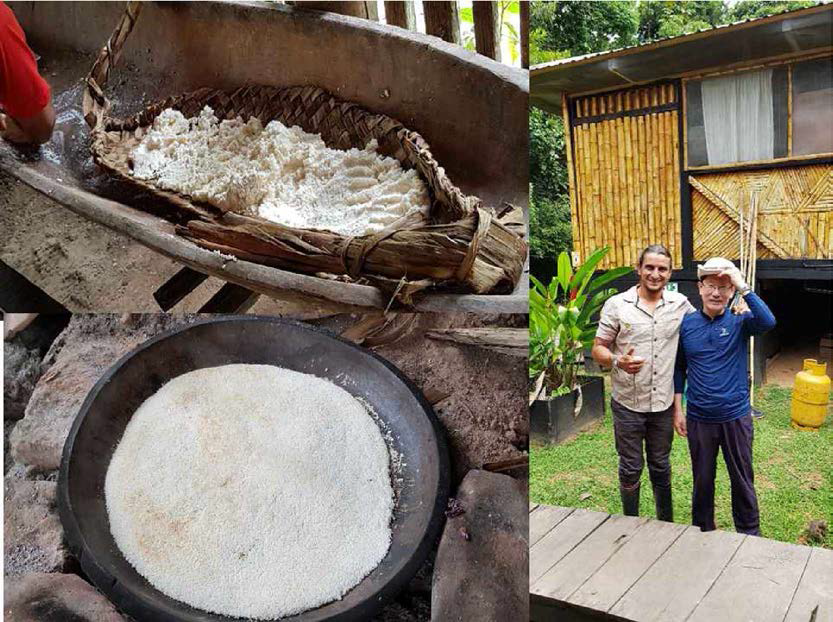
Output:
[[9, 130], [740, 306], [735, 276], [629, 363], [679, 422]]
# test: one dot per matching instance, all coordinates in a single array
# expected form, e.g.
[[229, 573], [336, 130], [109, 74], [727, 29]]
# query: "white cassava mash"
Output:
[[251, 490], [279, 173]]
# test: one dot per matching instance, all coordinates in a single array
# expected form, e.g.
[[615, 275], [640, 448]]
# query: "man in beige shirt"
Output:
[[637, 338]]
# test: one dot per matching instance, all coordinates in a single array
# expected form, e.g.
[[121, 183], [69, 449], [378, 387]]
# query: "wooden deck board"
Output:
[[587, 566], [691, 565], [602, 590], [814, 590], [586, 558], [561, 539], [757, 584], [546, 517]]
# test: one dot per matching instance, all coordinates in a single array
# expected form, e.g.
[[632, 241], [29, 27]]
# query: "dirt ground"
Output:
[[90, 268], [782, 368]]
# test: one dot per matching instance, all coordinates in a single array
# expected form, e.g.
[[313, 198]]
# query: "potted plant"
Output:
[[561, 327]]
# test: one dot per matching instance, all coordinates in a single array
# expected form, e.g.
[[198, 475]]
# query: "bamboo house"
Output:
[[700, 142]]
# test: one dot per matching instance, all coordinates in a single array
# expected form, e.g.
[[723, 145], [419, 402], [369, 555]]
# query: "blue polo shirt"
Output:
[[712, 357]]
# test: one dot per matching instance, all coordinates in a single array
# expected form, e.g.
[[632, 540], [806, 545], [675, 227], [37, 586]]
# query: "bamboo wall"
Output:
[[795, 212], [624, 162]]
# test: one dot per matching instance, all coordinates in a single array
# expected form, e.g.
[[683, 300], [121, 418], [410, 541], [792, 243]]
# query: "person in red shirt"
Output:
[[26, 112]]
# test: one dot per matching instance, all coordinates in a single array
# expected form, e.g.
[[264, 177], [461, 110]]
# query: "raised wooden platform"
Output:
[[586, 565]]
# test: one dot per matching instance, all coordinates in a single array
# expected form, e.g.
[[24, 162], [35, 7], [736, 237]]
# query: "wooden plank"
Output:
[[562, 539], [815, 590], [486, 15], [757, 584], [230, 298], [178, 287], [678, 228], [589, 556], [610, 582], [19, 294], [691, 566], [517, 302], [511, 341], [524, 8], [442, 20], [532, 507], [789, 110], [571, 173], [542, 521], [401, 13]]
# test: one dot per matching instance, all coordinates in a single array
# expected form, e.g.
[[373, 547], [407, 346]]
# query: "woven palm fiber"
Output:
[[462, 244]]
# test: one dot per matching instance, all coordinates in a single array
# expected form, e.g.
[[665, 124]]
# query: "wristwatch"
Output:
[[614, 361]]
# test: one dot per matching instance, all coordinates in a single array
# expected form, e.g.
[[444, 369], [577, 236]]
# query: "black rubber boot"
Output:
[[630, 500], [662, 502]]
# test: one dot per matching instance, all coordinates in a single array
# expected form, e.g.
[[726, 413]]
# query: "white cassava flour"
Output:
[[251, 491], [279, 173]]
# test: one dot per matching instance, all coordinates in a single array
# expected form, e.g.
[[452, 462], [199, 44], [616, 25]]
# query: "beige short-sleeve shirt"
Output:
[[626, 323]]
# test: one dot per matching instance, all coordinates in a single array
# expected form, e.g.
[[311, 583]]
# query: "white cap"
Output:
[[714, 265]]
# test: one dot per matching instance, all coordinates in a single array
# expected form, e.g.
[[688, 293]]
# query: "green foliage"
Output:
[[560, 319], [549, 204], [564, 28], [547, 158], [658, 20], [582, 27], [549, 226], [751, 9]]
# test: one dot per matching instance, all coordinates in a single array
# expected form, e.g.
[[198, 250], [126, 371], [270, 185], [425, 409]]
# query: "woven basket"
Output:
[[461, 245]]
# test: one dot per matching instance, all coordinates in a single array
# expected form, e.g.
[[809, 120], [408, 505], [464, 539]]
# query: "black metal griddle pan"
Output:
[[417, 436]]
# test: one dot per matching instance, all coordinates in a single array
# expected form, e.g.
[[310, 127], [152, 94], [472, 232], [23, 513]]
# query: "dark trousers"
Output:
[[734, 439], [632, 430]]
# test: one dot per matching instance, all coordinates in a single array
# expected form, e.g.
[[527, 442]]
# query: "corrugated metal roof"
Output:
[[575, 59]]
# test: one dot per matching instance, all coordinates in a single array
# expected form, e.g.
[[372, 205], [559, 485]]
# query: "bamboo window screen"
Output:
[[624, 160]]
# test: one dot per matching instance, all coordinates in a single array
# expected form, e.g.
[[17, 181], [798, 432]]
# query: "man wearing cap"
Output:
[[712, 358], [637, 339]]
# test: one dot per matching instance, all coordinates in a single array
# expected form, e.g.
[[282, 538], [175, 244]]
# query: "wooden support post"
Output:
[[230, 298], [401, 13], [178, 287], [19, 294], [442, 20], [524, 6], [487, 28], [571, 177], [354, 8]]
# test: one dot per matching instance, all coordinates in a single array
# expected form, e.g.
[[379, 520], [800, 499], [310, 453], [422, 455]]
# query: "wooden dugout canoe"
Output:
[[471, 110]]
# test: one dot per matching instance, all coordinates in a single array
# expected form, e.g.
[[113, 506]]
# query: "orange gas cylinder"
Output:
[[810, 394]]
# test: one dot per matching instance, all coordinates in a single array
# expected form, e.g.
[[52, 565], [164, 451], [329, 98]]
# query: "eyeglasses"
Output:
[[722, 289]]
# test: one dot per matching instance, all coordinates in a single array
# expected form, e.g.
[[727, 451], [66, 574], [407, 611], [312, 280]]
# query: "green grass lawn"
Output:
[[793, 473]]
